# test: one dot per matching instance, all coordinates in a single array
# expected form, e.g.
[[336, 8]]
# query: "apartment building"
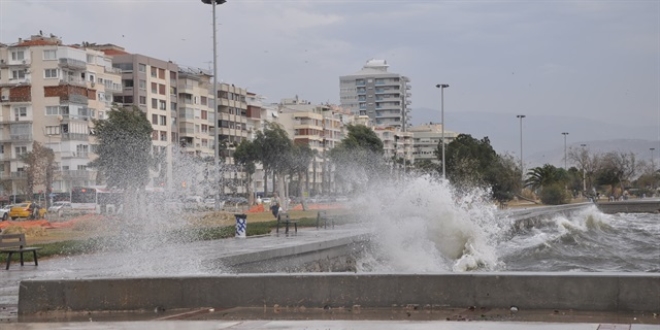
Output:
[[232, 129], [374, 92], [195, 120], [49, 93], [397, 145], [321, 128], [426, 139]]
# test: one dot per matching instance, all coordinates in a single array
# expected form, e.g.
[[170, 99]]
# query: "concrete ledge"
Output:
[[579, 291], [630, 206]]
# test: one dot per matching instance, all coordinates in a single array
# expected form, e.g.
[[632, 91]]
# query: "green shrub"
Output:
[[555, 194]]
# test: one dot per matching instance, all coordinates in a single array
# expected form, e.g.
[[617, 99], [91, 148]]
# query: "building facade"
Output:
[[50, 93], [426, 139], [381, 95]]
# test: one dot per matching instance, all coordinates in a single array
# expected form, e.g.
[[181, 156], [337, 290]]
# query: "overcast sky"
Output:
[[570, 58]]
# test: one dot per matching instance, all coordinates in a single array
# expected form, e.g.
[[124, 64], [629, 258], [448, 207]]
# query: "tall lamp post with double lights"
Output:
[[565, 159], [522, 169], [442, 114], [215, 98]]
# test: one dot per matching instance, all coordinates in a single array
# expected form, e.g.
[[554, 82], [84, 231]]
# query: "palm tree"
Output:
[[544, 176]]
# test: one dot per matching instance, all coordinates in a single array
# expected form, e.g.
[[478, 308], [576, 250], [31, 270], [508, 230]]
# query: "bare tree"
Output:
[[39, 168], [622, 165], [588, 163]]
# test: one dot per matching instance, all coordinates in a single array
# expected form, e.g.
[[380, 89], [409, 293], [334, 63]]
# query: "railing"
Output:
[[74, 98], [113, 87], [20, 137], [75, 136], [72, 63], [112, 70], [78, 174], [73, 80]]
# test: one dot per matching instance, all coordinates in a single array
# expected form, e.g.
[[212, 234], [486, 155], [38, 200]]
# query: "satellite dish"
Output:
[[60, 118]]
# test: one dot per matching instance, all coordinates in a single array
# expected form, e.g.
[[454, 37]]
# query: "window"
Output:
[[163, 136], [127, 83], [161, 73], [161, 89], [204, 114], [154, 135], [92, 78], [50, 54], [50, 73], [154, 104], [172, 75], [82, 167], [2, 151], [163, 120], [52, 130], [154, 72], [52, 110], [18, 55], [20, 150], [196, 128], [154, 119], [173, 105], [20, 112], [204, 100], [205, 128], [143, 84], [173, 91], [162, 105], [128, 99], [143, 100], [154, 87], [205, 143], [142, 67], [18, 74]]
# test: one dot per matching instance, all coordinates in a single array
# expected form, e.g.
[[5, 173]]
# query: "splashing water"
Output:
[[424, 225]]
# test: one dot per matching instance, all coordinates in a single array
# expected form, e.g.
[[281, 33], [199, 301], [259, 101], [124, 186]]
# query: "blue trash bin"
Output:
[[241, 225]]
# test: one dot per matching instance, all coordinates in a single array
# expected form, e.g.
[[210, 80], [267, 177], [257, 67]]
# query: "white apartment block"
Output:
[[321, 128], [382, 96], [426, 139], [194, 105], [397, 145], [49, 93]]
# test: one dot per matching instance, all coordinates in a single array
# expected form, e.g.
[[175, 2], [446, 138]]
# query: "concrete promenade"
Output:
[[180, 274]]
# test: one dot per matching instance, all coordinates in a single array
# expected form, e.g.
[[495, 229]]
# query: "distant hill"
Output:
[[542, 138]]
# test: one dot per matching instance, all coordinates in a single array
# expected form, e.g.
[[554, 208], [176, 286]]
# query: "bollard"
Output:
[[241, 225]]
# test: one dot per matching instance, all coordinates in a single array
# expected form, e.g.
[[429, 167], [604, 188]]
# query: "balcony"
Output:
[[112, 70], [15, 63], [78, 174], [19, 138], [72, 64], [75, 137], [74, 98], [112, 87], [72, 80], [78, 155]]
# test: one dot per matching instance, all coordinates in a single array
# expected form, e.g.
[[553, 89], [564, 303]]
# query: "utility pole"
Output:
[[565, 159]]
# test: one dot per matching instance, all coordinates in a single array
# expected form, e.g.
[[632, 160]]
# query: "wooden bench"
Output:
[[284, 217], [15, 243], [323, 215]]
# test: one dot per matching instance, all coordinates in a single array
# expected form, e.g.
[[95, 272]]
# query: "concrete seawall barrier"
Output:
[[630, 206], [579, 291]]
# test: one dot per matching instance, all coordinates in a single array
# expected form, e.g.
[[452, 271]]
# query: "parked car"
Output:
[[4, 211], [28, 210], [60, 208]]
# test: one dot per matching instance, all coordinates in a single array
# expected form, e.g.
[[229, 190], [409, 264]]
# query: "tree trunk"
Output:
[[265, 182]]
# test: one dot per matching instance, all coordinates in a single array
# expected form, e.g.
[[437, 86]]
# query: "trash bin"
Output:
[[241, 225]]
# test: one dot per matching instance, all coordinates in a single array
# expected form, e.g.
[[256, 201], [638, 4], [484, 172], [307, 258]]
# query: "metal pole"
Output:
[[215, 106], [584, 177], [565, 159], [652, 160], [442, 114], [522, 169]]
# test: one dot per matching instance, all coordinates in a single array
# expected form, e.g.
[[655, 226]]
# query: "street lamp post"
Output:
[[442, 114], [584, 177], [565, 159], [215, 97], [652, 160], [522, 169]]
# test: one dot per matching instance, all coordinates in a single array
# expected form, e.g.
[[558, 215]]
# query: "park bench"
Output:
[[284, 218], [15, 243], [323, 216]]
